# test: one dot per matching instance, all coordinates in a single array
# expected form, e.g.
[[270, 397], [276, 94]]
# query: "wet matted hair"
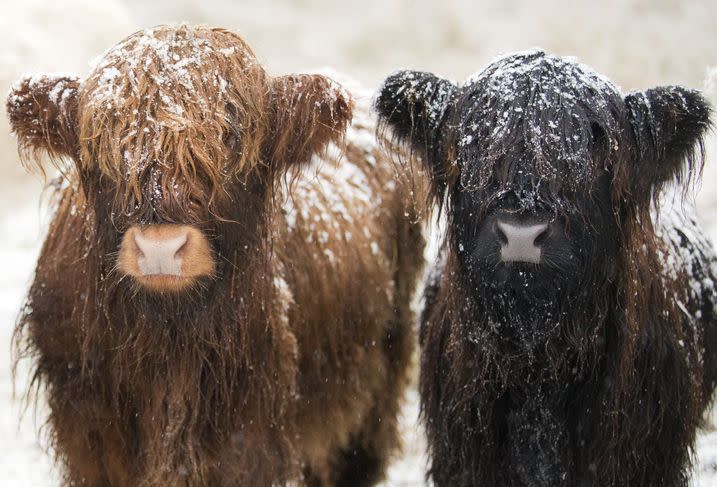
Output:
[[592, 368]]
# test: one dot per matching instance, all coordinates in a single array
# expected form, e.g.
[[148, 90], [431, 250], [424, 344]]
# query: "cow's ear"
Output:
[[308, 111], [414, 105], [668, 124], [43, 113]]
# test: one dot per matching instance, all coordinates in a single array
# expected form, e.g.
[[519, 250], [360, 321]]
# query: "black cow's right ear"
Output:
[[414, 105], [42, 110], [669, 124]]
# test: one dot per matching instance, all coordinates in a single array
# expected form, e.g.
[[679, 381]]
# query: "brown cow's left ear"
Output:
[[668, 124], [309, 111], [42, 111]]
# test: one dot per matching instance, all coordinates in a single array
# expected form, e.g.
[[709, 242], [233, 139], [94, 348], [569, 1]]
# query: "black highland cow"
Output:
[[569, 332]]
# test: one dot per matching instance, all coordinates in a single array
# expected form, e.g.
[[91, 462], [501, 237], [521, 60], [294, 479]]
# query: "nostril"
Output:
[[542, 237], [183, 248], [140, 243], [500, 234], [137, 247]]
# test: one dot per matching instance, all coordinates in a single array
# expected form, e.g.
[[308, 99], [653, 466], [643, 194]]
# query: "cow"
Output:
[[569, 332], [223, 294]]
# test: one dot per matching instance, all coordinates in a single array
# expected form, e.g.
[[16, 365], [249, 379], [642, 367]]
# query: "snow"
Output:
[[137, 58], [22, 459], [285, 296], [678, 223], [336, 183], [638, 44], [59, 94], [321, 197]]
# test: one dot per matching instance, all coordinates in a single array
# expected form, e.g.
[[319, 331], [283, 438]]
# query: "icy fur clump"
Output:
[[686, 252], [168, 62], [337, 191], [536, 116]]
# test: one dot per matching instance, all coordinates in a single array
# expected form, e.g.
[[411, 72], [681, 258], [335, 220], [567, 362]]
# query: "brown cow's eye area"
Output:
[[165, 257]]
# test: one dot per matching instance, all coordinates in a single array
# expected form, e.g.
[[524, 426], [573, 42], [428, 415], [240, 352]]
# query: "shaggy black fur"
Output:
[[594, 366]]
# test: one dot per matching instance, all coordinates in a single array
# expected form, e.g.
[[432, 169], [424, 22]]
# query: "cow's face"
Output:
[[177, 137], [531, 210], [539, 160], [526, 240]]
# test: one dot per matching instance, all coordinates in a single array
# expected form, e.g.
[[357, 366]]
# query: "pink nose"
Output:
[[165, 257], [160, 255], [521, 243]]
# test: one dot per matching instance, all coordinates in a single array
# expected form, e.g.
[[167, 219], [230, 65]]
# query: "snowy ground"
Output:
[[638, 43]]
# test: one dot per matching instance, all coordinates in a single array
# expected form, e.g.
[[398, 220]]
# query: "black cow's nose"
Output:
[[521, 242]]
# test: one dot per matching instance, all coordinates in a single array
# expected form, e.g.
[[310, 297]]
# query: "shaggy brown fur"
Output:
[[285, 365]]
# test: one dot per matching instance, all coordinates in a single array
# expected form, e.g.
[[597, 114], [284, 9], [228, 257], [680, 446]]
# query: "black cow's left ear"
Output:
[[415, 105], [669, 124]]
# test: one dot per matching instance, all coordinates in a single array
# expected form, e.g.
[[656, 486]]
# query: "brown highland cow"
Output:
[[203, 313]]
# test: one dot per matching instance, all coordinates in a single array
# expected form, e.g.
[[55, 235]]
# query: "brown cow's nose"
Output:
[[165, 257], [160, 255]]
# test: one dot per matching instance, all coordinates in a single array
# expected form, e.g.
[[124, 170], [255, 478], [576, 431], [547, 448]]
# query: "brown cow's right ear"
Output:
[[308, 112], [42, 111]]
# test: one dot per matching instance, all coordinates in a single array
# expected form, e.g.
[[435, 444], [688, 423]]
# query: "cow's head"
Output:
[[176, 138], [539, 161]]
